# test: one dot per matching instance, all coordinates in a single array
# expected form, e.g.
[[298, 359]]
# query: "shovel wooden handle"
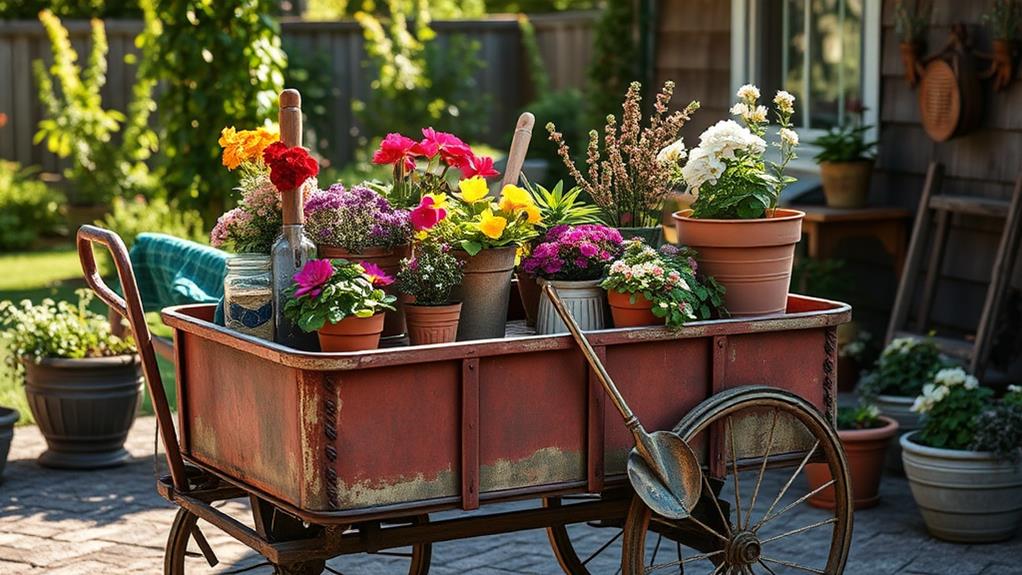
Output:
[[519, 148]]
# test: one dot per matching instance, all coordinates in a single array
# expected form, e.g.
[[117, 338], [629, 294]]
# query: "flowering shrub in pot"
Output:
[[427, 278], [84, 384], [650, 287], [342, 301], [747, 242], [573, 259], [846, 165], [963, 464]]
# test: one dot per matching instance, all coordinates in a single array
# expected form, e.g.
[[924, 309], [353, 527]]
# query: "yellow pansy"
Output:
[[492, 226], [514, 199], [535, 217], [473, 189], [439, 201]]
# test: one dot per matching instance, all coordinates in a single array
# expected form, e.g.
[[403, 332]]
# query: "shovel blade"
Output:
[[677, 493]]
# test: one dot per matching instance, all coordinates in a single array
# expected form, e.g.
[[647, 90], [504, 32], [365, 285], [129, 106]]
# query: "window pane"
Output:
[[793, 68]]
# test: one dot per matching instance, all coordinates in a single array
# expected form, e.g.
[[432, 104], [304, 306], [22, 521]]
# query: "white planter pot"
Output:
[[898, 408], [586, 301], [964, 496]]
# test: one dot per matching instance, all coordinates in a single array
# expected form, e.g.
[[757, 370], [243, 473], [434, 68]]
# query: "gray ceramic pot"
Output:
[[484, 293], [964, 496], [8, 417], [899, 409], [84, 408]]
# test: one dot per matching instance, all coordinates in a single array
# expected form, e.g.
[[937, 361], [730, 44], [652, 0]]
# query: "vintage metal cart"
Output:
[[355, 453]]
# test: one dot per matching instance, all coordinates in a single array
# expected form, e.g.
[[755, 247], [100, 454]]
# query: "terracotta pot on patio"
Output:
[[528, 291], [8, 417], [846, 184], [352, 334], [627, 313], [84, 408], [866, 450], [389, 261], [432, 323], [752, 259]]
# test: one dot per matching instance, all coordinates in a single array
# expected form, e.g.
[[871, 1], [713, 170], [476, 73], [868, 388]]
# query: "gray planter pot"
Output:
[[585, 300], [8, 417], [84, 408], [484, 293], [899, 409], [964, 496]]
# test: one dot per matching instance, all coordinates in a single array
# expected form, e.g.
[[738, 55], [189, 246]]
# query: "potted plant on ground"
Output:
[[963, 465], [629, 180], [743, 238], [650, 287], [427, 278], [343, 302], [556, 208], [865, 435], [360, 225], [846, 165], [84, 384], [901, 371], [573, 259]]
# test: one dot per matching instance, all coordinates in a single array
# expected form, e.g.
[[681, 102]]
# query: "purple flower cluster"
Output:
[[574, 252], [355, 219]]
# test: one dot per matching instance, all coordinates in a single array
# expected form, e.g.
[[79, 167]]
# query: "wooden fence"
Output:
[[565, 42]]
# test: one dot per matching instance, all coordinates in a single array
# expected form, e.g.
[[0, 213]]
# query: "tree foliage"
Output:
[[615, 63]]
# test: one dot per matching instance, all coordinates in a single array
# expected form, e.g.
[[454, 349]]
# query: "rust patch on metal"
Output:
[[404, 490], [547, 465], [203, 438]]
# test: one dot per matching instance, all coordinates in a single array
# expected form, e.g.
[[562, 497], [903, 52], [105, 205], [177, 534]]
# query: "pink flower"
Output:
[[452, 150], [478, 166], [397, 148], [376, 275], [425, 215], [312, 276]]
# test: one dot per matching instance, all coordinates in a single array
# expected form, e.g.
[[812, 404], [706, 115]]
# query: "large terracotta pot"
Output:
[[846, 184], [964, 496], [8, 417], [585, 300], [389, 261], [84, 408], [528, 291], [899, 409], [627, 313], [352, 334], [432, 323], [484, 293], [752, 259], [866, 450]]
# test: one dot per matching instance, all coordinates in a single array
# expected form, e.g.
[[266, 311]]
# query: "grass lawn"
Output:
[[54, 273]]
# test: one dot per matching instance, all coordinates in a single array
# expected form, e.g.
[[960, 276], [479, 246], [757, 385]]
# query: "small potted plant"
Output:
[[629, 179], [650, 287], [745, 240], [573, 259], [911, 30], [343, 302], [865, 435], [359, 224], [84, 384], [901, 371], [963, 464], [427, 278], [846, 165]]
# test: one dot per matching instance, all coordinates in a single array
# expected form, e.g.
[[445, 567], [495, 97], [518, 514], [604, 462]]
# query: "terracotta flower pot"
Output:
[[352, 334], [628, 314], [432, 323], [846, 184], [751, 258], [528, 291], [910, 61], [484, 293], [585, 300], [389, 261], [866, 450]]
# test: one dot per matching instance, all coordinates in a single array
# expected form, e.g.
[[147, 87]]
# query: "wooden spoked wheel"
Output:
[[184, 554], [759, 522]]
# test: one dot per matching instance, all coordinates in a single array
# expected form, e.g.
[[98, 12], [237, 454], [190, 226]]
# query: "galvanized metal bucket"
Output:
[[586, 301], [484, 293]]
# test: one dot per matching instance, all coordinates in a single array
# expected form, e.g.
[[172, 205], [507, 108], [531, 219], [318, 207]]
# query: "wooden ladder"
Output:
[[941, 208]]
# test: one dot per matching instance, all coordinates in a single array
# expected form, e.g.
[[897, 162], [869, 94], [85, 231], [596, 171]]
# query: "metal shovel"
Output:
[[662, 468]]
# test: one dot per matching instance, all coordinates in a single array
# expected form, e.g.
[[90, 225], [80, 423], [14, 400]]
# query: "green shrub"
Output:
[[77, 9], [129, 218], [905, 366], [28, 208]]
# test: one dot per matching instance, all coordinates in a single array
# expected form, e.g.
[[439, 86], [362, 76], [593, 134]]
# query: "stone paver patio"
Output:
[[113, 522]]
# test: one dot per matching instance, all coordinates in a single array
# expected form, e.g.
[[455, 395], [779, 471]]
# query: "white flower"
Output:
[[748, 93], [727, 137], [741, 109], [952, 376], [785, 102], [758, 116], [1015, 388], [674, 153], [702, 168], [789, 136]]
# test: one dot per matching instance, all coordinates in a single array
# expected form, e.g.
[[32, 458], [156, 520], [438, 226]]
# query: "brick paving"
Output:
[[113, 522]]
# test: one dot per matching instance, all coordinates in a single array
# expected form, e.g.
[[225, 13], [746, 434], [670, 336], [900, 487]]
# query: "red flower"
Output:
[[289, 167], [478, 166], [452, 150], [396, 148]]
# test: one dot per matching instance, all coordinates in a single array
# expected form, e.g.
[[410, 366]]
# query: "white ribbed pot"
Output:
[[586, 301], [898, 408], [964, 496]]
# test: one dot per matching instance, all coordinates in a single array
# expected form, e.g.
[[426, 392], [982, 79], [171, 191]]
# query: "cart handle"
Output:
[[130, 307]]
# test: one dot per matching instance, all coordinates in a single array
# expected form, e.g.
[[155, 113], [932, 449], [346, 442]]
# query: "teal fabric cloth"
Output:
[[171, 271]]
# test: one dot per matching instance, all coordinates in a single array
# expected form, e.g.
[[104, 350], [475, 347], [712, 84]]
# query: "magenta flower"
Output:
[[452, 150], [396, 148], [312, 276], [376, 275], [481, 166], [425, 215]]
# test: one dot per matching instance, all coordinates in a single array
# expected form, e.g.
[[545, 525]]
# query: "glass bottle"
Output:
[[248, 295], [290, 252]]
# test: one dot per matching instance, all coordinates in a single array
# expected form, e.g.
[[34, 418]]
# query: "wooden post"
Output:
[[290, 119]]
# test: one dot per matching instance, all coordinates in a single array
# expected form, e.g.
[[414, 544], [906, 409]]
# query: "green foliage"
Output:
[[822, 278], [538, 6], [847, 144], [999, 429], [1003, 19], [348, 293], [431, 273], [305, 74], [950, 406], [219, 64], [615, 59], [862, 416], [911, 23], [904, 367], [28, 208], [559, 208], [77, 126], [129, 218], [71, 9], [741, 193], [438, 9]]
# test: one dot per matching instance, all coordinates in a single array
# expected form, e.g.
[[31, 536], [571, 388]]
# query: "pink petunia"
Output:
[[397, 148], [377, 276], [425, 215], [481, 166], [312, 276], [452, 150]]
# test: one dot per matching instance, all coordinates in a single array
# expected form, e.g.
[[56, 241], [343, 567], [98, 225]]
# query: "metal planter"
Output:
[[586, 301], [484, 293]]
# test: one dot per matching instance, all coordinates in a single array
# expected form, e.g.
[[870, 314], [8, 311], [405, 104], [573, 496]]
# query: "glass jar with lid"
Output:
[[248, 295]]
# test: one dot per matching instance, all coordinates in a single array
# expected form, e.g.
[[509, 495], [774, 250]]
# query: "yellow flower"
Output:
[[229, 142], [492, 226], [473, 189], [535, 217], [244, 146], [256, 141], [439, 201], [514, 199]]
